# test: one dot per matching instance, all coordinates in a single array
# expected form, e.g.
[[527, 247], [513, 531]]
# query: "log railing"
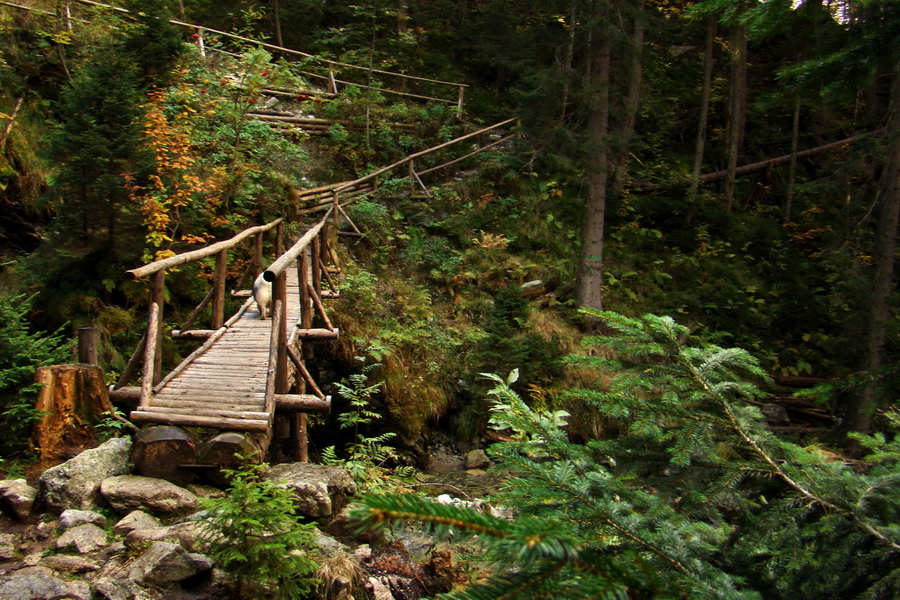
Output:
[[327, 70], [338, 195]]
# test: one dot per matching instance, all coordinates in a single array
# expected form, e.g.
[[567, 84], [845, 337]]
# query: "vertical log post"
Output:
[[87, 345], [332, 84], [301, 452], [279, 293], [200, 39], [459, 101], [218, 306], [150, 355], [316, 260], [257, 255], [279, 239], [306, 306], [157, 297]]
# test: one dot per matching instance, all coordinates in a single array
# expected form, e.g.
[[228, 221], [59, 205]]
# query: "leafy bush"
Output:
[[21, 353], [253, 535]]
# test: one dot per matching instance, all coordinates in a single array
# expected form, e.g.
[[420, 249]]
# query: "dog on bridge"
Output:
[[262, 293]]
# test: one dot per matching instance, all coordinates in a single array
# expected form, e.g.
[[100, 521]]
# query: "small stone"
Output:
[[44, 529], [18, 496], [136, 519], [477, 459], [72, 518], [69, 564], [8, 543], [476, 472], [84, 538], [205, 491]]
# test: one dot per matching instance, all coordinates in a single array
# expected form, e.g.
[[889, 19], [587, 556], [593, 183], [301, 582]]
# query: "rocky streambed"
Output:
[[89, 529]]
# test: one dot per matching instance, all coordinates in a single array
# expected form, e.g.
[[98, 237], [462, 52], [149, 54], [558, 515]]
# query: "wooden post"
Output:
[[87, 345], [279, 239], [257, 255], [218, 307], [459, 101], [279, 293], [133, 362], [150, 355], [316, 258], [157, 297], [332, 84], [301, 452], [306, 306], [336, 209], [200, 39]]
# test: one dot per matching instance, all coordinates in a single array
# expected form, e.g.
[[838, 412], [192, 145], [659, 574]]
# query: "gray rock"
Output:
[[319, 490], [40, 583], [18, 496], [8, 544], [165, 563], [44, 529], [84, 538], [69, 564], [123, 589], [136, 519], [185, 534], [76, 483], [776, 415], [477, 459], [72, 518], [126, 493]]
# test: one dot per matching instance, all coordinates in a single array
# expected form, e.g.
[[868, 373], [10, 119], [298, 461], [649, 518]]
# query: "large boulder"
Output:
[[76, 483], [123, 589], [319, 490], [164, 563], [17, 496], [40, 583], [126, 493], [477, 459]]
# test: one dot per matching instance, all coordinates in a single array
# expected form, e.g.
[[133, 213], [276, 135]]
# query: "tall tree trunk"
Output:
[[792, 173], [278, 40], [633, 76], [738, 108], [703, 120], [590, 282], [402, 16], [859, 415], [567, 66]]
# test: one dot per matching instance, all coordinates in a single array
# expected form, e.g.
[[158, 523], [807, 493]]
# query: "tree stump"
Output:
[[72, 399]]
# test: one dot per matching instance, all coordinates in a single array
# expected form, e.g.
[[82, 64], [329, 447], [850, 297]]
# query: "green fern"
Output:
[[698, 492]]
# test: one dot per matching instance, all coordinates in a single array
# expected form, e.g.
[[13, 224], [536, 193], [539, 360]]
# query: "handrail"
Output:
[[412, 157], [286, 259], [186, 257]]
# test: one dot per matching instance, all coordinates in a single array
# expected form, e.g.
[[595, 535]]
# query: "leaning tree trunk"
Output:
[[590, 282], [859, 414], [738, 112]]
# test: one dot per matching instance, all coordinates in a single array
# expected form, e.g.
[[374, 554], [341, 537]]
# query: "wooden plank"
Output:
[[258, 407], [138, 416], [209, 412]]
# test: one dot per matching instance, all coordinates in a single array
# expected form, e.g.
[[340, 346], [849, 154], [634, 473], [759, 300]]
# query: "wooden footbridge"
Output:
[[248, 380]]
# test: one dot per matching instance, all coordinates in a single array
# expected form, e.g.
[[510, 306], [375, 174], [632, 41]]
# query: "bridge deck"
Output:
[[225, 385]]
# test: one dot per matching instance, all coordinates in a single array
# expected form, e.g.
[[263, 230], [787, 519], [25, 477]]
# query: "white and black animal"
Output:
[[262, 293]]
